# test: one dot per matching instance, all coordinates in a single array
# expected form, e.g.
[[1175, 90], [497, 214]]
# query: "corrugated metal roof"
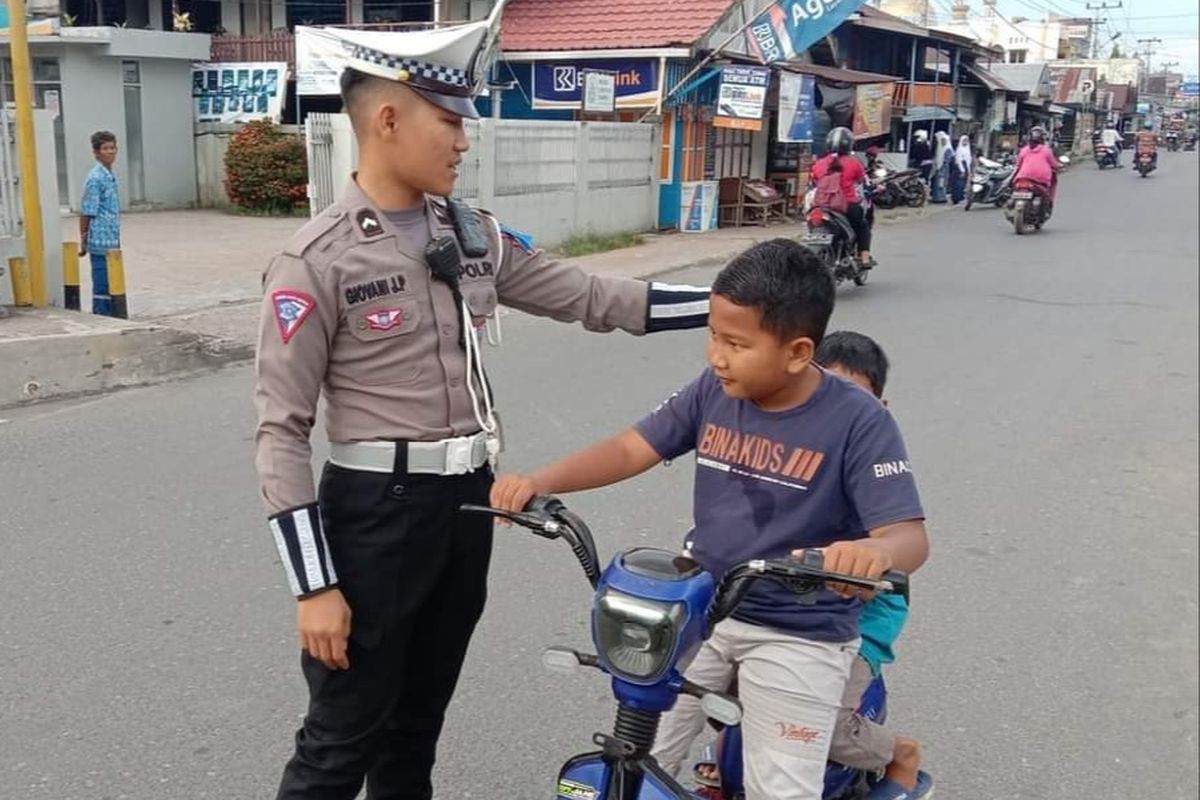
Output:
[[606, 24], [835, 75]]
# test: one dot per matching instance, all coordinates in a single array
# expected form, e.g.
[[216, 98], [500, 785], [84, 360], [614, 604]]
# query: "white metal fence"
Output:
[[550, 179]]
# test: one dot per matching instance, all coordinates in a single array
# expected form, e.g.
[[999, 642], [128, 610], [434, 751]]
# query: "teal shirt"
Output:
[[880, 624]]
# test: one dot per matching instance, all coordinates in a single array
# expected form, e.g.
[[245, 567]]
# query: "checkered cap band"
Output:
[[454, 81]]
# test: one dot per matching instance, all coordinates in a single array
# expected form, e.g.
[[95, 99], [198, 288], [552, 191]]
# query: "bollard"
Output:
[[116, 284], [22, 282], [70, 260]]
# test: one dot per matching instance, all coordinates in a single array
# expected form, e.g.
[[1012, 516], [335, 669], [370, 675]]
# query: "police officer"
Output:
[[377, 303]]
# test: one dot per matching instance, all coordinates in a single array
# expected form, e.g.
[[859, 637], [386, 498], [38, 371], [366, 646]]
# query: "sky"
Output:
[[1176, 22]]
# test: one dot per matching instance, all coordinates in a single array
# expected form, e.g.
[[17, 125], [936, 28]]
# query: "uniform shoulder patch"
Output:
[[523, 241], [292, 307], [317, 229]]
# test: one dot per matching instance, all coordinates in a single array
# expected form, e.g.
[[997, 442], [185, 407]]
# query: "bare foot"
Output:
[[906, 761]]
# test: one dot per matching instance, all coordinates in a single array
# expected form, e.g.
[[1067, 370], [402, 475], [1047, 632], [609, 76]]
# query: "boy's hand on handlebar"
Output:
[[513, 493], [862, 558]]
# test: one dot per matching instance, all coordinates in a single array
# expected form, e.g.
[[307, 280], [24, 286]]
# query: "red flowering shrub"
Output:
[[266, 169]]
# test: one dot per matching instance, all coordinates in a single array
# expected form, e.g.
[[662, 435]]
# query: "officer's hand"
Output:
[[513, 493], [323, 621]]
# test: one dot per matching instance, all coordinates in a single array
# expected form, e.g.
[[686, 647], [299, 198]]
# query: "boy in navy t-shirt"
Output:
[[788, 457]]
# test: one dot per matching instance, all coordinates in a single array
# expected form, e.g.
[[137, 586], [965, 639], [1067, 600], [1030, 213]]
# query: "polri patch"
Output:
[[291, 309], [369, 223], [384, 319], [522, 240]]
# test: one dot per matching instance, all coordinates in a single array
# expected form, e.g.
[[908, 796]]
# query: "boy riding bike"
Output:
[[789, 457]]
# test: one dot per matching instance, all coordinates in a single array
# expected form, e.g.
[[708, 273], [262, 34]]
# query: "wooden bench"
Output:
[[749, 202]]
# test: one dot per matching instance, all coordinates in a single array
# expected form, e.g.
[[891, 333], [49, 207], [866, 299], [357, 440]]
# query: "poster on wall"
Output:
[[797, 107], [240, 92], [560, 84], [872, 110], [741, 97]]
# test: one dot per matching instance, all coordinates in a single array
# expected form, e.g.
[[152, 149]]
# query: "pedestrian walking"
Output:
[[943, 156], [961, 175]]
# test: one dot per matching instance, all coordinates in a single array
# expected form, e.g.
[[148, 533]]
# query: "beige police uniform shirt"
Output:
[[348, 310]]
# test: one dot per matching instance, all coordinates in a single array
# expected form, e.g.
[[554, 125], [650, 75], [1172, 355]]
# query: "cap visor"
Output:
[[455, 104]]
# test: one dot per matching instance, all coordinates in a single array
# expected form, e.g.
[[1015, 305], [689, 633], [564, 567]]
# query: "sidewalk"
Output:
[[193, 283]]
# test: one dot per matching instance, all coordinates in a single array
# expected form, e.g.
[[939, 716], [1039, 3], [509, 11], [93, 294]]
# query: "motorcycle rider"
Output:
[[854, 179], [920, 155], [1111, 138], [1146, 142], [1037, 164]]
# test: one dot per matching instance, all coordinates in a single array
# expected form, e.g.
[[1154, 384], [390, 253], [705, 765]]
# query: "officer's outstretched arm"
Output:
[[530, 281], [298, 321]]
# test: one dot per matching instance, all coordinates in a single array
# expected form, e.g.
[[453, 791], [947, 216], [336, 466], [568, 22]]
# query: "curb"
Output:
[[105, 355]]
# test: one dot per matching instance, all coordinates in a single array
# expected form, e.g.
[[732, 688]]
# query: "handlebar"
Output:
[[549, 518], [803, 575]]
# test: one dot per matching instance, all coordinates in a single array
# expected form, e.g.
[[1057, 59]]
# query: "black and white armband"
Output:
[[674, 307], [303, 550]]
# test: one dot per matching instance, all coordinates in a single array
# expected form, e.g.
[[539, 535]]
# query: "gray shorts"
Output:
[[858, 742]]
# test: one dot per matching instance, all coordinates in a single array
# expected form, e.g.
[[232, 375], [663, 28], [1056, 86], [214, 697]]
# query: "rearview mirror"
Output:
[[722, 708], [560, 659]]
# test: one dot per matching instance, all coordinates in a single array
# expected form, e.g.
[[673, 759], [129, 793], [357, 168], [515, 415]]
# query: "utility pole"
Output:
[[1149, 43], [31, 203], [1099, 8]]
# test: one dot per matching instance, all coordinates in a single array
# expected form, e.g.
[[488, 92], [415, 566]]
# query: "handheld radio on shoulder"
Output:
[[467, 228], [444, 263]]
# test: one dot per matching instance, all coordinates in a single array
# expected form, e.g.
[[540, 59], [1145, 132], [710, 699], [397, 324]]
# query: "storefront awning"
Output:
[[927, 114]]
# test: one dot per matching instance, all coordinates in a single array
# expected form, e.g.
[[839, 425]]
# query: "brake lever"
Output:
[[536, 523]]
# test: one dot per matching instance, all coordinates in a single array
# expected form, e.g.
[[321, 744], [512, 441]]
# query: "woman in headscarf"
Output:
[[943, 157], [962, 170]]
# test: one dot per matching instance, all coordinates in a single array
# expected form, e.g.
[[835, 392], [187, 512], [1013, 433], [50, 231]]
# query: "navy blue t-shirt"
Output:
[[768, 483]]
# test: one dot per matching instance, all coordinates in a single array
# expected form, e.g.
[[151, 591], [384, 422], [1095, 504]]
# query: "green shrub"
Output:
[[266, 170]]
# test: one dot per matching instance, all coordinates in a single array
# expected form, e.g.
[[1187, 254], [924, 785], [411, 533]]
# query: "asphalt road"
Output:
[[1047, 386]]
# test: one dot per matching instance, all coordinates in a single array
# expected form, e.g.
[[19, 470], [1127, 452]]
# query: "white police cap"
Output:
[[447, 66]]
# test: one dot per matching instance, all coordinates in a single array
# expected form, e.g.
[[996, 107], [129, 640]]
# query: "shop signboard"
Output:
[[741, 97]]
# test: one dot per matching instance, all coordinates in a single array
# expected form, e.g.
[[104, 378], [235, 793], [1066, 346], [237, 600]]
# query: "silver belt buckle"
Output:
[[459, 455]]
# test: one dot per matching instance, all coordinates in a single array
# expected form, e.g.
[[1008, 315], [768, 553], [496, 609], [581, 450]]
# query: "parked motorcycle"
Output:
[[991, 182], [832, 238], [894, 188], [1144, 162], [651, 610], [1105, 156]]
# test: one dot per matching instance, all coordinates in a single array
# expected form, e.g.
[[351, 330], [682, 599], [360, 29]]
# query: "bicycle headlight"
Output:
[[636, 637]]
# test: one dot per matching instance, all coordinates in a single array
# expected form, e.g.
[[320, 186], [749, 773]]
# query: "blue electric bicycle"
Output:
[[650, 612]]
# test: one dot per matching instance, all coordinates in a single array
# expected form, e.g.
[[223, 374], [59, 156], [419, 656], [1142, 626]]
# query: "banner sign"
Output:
[[741, 97], [238, 92], [797, 107], [1190, 89], [320, 58], [872, 110], [789, 27], [559, 84]]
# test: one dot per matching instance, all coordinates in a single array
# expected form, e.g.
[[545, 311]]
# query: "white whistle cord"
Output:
[[484, 413]]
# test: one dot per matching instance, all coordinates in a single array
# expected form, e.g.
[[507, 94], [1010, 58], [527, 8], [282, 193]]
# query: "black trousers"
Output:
[[414, 572], [858, 221]]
